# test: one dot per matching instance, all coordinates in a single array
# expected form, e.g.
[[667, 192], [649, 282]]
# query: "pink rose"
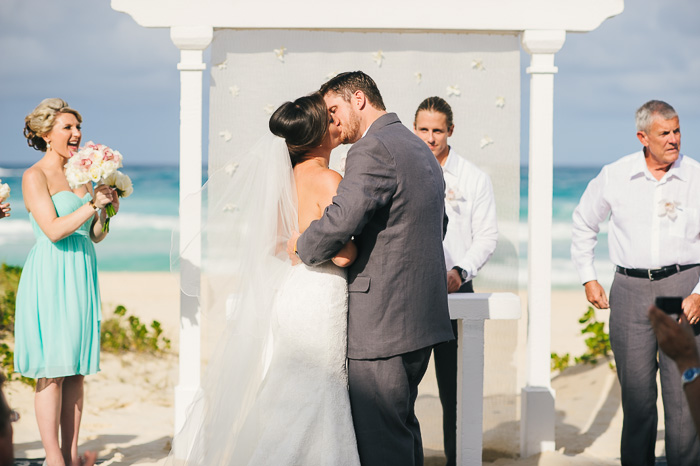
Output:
[[85, 163]]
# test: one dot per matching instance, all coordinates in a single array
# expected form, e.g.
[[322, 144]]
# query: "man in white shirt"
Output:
[[472, 234], [652, 198]]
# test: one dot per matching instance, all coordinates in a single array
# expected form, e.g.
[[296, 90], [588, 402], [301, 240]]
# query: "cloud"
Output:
[[647, 50], [122, 77], [650, 51], [83, 43]]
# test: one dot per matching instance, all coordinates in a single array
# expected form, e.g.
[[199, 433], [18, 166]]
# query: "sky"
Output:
[[123, 79]]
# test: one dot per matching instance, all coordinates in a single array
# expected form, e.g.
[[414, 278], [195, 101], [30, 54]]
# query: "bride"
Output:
[[275, 392]]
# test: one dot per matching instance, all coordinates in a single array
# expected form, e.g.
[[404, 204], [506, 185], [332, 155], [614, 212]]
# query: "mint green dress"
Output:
[[57, 316]]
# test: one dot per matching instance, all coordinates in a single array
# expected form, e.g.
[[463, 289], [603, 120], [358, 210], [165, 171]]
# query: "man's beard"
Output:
[[351, 130]]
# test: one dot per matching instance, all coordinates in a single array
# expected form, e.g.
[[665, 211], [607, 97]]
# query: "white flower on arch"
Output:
[[485, 141], [478, 64], [226, 135], [453, 91], [230, 168], [279, 53], [378, 57]]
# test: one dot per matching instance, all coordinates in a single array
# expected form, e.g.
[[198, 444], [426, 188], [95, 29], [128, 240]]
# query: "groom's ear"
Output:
[[359, 99]]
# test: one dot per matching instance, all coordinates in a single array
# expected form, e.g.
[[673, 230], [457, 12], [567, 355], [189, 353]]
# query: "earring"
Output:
[[48, 146]]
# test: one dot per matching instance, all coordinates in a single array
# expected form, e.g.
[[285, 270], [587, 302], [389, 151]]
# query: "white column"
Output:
[[191, 41], [472, 309], [537, 401]]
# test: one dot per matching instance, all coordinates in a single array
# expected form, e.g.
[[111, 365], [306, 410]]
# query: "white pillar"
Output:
[[537, 402], [191, 41], [472, 309]]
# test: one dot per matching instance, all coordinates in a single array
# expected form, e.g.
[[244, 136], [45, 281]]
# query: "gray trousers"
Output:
[[635, 349], [383, 395]]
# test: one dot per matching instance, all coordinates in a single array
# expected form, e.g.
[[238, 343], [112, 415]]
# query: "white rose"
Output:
[[118, 158], [108, 168], [95, 172], [4, 191], [124, 185], [111, 179], [77, 178]]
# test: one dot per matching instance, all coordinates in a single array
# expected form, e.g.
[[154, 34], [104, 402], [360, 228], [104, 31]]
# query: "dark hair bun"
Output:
[[302, 124]]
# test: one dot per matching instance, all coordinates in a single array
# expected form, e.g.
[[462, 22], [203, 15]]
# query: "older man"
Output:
[[652, 198]]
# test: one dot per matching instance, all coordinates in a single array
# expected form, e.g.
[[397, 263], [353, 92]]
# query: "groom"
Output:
[[392, 202]]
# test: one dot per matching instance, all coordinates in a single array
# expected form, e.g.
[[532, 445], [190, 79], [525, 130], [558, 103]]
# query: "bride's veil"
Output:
[[249, 210]]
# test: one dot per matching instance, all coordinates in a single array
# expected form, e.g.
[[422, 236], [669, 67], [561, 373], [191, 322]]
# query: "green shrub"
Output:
[[598, 343], [7, 364], [121, 333], [9, 280], [559, 363]]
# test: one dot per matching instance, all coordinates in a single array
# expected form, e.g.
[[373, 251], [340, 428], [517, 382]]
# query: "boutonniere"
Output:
[[668, 208], [453, 196]]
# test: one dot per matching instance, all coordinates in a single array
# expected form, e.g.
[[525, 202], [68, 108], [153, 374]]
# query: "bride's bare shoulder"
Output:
[[317, 177], [329, 178]]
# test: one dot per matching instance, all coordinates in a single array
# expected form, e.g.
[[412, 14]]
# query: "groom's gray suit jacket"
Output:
[[392, 201]]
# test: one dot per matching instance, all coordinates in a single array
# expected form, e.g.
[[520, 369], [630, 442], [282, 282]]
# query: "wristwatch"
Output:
[[689, 375], [463, 274]]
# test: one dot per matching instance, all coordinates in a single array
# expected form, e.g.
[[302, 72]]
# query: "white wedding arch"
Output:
[[467, 36]]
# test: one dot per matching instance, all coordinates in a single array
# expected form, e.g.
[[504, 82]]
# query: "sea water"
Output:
[[140, 235]]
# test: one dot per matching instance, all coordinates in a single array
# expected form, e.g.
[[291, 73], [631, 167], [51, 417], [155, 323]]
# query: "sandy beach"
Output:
[[128, 414]]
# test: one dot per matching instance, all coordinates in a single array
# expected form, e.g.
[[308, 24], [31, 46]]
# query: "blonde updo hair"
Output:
[[39, 123]]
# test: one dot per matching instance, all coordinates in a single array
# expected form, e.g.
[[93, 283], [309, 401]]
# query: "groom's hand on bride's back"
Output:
[[292, 248]]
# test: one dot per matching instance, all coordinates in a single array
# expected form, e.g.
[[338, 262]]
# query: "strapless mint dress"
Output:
[[57, 317]]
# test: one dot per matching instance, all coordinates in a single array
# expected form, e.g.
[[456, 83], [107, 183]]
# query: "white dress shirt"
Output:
[[472, 230], [653, 223]]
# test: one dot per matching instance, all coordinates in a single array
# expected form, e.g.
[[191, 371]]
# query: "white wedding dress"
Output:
[[302, 413], [275, 390]]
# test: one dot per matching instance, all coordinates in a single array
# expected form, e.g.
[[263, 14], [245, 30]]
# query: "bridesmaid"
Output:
[[57, 321]]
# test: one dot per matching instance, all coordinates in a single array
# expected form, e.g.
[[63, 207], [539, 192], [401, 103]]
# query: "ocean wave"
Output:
[[132, 221], [563, 273], [126, 221], [14, 227], [561, 231]]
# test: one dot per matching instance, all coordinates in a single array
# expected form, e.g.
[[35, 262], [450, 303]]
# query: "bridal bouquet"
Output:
[[99, 164], [4, 191]]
